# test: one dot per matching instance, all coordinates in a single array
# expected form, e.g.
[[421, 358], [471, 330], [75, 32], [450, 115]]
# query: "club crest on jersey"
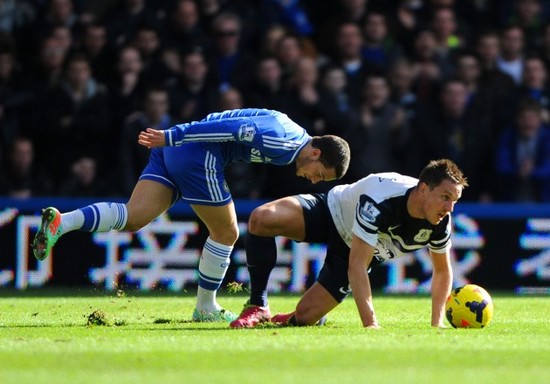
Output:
[[369, 212], [423, 235], [246, 133]]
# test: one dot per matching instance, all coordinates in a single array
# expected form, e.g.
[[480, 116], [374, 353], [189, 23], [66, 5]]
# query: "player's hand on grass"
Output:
[[152, 138], [373, 326], [371, 323]]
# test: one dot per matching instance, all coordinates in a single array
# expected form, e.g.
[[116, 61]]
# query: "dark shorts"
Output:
[[321, 229]]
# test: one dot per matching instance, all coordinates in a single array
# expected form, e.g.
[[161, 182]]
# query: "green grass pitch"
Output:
[[150, 339]]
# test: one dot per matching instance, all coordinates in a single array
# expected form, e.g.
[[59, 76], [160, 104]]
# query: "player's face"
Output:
[[440, 201], [314, 171]]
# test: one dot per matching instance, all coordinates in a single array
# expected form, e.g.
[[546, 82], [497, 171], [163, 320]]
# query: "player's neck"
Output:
[[414, 204]]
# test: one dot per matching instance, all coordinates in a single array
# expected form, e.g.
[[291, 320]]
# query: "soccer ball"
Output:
[[469, 306]]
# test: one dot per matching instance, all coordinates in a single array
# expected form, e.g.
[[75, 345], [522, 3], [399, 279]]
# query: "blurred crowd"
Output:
[[404, 81]]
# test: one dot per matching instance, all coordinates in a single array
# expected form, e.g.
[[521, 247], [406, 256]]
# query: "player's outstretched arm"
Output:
[[152, 138], [442, 279], [360, 256]]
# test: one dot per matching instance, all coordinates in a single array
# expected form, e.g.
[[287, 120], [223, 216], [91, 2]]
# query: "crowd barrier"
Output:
[[499, 246]]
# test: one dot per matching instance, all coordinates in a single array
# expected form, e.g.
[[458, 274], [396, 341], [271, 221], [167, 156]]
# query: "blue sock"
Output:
[[261, 257]]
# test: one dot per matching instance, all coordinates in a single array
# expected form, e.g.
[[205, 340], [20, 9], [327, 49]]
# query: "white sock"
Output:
[[213, 265], [99, 217]]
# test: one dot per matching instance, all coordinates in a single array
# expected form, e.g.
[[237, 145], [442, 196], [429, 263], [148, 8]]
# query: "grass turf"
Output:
[[150, 339]]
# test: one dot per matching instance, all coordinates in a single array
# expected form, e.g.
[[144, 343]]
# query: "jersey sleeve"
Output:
[[235, 125], [368, 218], [440, 242]]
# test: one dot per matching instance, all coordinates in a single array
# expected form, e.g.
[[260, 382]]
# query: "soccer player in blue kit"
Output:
[[377, 218], [187, 161]]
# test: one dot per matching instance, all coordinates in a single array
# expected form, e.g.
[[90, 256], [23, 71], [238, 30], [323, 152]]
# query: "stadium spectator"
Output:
[[409, 16], [15, 15], [493, 80], [449, 129], [510, 60], [184, 29], [348, 43], [127, 86], [84, 181], [481, 100], [147, 40], [534, 85], [192, 94], [303, 96], [270, 40], [75, 111], [401, 80], [430, 68], [529, 16], [229, 62], [94, 44], [134, 157], [379, 139], [125, 18], [47, 70], [64, 35], [289, 50], [337, 13], [267, 89], [337, 108], [22, 177], [15, 94], [379, 49], [57, 13], [523, 157], [448, 37]]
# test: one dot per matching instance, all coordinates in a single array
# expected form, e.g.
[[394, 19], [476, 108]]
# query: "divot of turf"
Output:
[[162, 321], [97, 317]]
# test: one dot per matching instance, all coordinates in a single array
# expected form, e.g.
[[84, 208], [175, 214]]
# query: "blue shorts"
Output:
[[194, 171], [321, 229]]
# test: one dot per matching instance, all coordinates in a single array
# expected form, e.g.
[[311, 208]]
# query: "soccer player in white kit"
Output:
[[187, 161], [379, 217]]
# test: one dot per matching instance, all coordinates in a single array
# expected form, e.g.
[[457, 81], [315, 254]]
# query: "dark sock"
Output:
[[292, 321], [261, 257]]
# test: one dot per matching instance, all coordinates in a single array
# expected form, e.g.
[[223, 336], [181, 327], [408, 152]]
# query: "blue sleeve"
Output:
[[235, 125]]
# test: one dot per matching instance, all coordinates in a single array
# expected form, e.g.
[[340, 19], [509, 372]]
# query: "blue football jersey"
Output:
[[251, 135]]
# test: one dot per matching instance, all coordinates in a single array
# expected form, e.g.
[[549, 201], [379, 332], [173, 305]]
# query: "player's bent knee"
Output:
[[257, 220], [261, 221], [227, 236]]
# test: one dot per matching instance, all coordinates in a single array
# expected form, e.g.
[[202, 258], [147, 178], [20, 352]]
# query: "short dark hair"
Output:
[[436, 171], [527, 104], [335, 153]]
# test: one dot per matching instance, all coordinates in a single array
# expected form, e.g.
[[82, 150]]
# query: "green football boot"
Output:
[[48, 233], [219, 316]]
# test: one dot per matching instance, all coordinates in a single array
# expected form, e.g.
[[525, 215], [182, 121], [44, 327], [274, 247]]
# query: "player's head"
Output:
[[440, 186], [326, 158], [335, 153]]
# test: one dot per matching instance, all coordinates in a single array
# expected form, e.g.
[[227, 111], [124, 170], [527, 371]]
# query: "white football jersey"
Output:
[[375, 210]]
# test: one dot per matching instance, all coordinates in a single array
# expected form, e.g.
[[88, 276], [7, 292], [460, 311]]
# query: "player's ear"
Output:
[[422, 187], [315, 153]]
